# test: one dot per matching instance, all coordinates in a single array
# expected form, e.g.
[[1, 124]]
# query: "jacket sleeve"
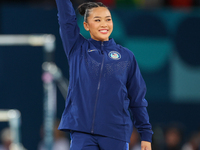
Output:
[[136, 92], [69, 30]]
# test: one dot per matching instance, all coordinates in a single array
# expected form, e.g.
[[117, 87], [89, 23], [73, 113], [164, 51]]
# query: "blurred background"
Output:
[[164, 35]]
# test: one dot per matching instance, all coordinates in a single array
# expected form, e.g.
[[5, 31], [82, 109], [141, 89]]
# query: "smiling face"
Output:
[[99, 24]]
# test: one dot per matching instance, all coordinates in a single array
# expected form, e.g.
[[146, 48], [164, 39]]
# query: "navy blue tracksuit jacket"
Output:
[[105, 84]]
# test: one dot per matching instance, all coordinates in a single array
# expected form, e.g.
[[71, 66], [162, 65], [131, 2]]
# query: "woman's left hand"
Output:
[[145, 145]]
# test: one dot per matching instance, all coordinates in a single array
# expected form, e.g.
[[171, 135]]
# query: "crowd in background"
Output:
[[170, 137], [120, 3]]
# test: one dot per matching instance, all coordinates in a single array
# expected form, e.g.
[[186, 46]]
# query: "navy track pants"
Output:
[[84, 141]]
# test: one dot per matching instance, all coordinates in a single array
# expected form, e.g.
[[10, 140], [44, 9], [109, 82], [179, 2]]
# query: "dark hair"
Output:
[[84, 9]]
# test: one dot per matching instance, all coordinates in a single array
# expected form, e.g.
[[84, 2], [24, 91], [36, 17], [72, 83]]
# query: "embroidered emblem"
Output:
[[92, 50], [114, 55]]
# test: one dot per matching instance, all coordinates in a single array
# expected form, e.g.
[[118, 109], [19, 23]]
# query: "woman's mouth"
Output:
[[104, 31]]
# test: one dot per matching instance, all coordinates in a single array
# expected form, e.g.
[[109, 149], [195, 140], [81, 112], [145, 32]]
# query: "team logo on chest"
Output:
[[114, 55]]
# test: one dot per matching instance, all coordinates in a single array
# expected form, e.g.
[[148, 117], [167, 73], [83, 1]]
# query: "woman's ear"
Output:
[[86, 26]]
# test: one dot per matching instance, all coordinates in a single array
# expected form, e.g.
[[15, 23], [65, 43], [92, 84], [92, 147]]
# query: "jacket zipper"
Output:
[[98, 87]]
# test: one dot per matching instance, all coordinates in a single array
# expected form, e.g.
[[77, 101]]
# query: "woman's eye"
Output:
[[98, 20], [108, 19]]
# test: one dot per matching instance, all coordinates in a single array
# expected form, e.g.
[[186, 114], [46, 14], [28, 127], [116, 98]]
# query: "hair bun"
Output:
[[82, 8]]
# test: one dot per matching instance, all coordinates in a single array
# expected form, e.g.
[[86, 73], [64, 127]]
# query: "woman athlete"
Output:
[[106, 95]]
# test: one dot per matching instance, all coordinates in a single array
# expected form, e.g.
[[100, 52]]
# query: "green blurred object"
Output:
[[129, 3], [125, 3], [139, 2]]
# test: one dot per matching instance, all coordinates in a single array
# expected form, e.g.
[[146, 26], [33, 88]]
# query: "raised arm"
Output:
[[136, 93], [69, 30]]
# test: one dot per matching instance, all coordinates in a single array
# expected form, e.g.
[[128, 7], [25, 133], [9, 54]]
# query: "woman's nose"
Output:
[[104, 24]]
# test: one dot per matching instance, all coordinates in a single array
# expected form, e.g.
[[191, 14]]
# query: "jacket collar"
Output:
[[98, 44]]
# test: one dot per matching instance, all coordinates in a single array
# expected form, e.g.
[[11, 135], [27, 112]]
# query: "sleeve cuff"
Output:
[[146, 136]]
